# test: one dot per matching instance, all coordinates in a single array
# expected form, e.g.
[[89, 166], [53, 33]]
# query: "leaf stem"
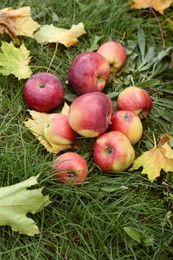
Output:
[[154, 140], [42, 67], [159, 25], [122, 39], [56, 47]]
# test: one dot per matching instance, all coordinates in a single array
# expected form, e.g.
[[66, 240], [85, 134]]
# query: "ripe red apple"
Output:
[[90, 114], [115, 54], [113, 152], [71, 168], [135, 99], [127, 123], [88, 72], [58, 131], [43, 92]]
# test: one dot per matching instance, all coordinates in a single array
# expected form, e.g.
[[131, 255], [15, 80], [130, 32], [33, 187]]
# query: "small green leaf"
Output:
[[112, 189], [94, 43], [141, 42], [113, 94], [70, 97], [15, 61], [133, 233], [149, 83]]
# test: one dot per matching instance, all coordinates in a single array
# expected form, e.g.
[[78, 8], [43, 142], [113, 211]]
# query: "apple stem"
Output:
[[41, 85], [108, 150], [71, 175]]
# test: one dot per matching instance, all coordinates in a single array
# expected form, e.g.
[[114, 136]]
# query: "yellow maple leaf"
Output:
[[158, 5], [67, 37], [37, 124], [17, 22], [157, 158], [15, 60]]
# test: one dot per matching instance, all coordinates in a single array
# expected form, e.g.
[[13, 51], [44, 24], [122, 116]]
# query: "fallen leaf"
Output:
[[15, 60], [67, 37], [16, 201], [17, 22], [170, 23], [157, 158], [133, 233], [37, 124], [158, 5], [65, 109]]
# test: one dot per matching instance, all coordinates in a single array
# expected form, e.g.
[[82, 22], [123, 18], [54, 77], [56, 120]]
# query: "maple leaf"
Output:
[[37, 124], [15, 61], [157, 158], [17, 22], [158, 5], [67, 37], [16, 201]]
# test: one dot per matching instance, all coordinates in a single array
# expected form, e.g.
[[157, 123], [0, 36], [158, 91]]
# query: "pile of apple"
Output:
[[91, 114]]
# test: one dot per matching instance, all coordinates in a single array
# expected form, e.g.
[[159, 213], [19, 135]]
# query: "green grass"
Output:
[[89, 222]]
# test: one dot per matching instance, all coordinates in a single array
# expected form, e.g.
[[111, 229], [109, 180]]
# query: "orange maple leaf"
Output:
[[158, 5], [157, 158]]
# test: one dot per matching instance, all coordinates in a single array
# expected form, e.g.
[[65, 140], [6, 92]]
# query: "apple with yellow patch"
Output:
[[113, 152], [115, 54], [135, 99], [57, 130], [127, 123]]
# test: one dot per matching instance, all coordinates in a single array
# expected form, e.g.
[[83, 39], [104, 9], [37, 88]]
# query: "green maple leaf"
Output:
[[16, 201], [15, 61]]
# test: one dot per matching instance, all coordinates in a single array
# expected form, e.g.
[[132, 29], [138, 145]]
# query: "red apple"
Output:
[[88, 72], [115, 54], [127, 123], [58, 131], [71, 168], [135, 99], [113, 152], [90, 114], [43, 92]]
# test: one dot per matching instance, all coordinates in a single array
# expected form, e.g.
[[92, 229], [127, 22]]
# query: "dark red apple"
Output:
[[88, 72], [43, 92]]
